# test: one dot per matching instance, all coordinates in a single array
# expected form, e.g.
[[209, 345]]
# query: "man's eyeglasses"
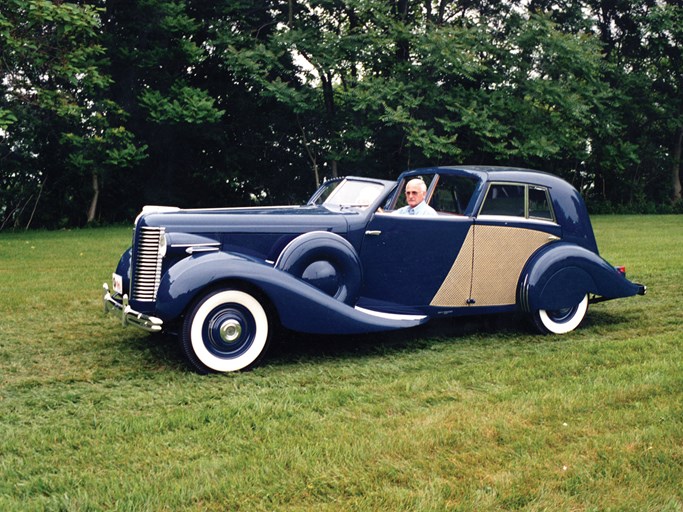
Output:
[[411, 192]]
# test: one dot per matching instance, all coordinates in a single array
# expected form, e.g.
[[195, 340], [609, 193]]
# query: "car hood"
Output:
[[281, 219]]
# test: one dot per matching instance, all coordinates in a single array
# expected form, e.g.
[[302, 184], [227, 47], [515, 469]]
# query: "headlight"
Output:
[[163, 245]]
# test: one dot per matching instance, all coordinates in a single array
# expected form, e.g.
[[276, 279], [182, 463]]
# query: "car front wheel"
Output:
[[226, 330], [560, 321]]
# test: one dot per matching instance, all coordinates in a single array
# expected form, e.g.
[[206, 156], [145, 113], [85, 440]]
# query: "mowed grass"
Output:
[[474, 414]]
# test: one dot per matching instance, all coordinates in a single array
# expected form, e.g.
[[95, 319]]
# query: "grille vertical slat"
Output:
[[147, 264]]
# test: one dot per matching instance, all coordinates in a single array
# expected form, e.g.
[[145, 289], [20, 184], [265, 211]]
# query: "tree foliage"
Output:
[[60, 131], [110, 104]]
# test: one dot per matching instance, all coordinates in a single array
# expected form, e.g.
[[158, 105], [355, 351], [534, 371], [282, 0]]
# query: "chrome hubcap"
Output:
[[230, 330]]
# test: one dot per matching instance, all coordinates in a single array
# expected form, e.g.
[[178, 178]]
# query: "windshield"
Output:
[[348, 194]]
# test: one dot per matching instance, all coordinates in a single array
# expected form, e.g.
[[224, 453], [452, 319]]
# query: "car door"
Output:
[[406, 258]]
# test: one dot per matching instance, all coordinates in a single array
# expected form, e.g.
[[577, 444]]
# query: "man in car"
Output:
[[416, 190]]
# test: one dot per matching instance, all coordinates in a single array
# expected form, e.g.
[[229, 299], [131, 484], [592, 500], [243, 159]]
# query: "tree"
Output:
[[634, 158], [154, 48], [197, 103], [663, 46], [55, 113]]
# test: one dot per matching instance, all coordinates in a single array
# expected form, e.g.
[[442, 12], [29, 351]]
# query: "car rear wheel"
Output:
[[226, 330], [560, 321]]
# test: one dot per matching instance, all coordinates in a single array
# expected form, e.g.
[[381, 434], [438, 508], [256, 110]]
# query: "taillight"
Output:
[[621, 269]]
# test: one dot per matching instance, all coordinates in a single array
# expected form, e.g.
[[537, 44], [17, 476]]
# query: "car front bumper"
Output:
[[118, 304]]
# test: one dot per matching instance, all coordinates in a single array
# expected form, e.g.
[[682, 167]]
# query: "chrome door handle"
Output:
[[373, 232]]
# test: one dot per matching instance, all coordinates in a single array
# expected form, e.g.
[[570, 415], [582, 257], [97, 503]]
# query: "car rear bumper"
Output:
[[118, 305]]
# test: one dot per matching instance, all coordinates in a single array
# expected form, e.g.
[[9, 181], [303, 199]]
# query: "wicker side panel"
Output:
[[455, 289], [500, 253]]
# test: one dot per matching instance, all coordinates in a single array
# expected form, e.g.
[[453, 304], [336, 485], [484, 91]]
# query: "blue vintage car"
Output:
[[503, 240]]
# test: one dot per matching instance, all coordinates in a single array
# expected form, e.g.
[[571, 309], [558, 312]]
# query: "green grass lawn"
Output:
[[472, 414]]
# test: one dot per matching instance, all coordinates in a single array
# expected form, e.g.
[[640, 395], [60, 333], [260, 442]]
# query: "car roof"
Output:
[[496, 173]]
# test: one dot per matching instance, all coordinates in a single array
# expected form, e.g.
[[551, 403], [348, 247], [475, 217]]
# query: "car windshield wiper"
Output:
[[344, 206]]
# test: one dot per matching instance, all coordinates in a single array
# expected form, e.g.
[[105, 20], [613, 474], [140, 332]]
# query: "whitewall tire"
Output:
[[561, 321], [225, 331]]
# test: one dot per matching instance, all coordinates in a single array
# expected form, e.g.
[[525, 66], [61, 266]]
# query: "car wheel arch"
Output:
[[234, 284], [194, 277], [557, 276]]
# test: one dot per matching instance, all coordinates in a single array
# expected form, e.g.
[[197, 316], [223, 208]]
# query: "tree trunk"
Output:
[[35, 205], [309, 152], [95, 196], [676, 166], [402, 51]]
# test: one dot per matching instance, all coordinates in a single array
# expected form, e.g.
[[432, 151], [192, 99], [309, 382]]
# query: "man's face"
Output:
[[414, 194]]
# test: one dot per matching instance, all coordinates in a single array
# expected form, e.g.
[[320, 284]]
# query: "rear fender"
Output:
[[559, 275]]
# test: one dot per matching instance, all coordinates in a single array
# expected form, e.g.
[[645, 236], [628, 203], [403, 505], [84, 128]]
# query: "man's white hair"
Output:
[[419, 182]]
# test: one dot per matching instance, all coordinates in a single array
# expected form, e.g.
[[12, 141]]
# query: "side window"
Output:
[[452, 194], [539, 204], [504, 200], [401, 197], [528, 201]]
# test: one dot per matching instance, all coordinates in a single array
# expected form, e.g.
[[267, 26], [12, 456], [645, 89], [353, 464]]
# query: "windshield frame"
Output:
[[346, 193]]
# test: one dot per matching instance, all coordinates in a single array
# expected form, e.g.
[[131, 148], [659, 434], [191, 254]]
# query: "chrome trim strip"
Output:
[[206, 244], [390, 316], [196, 248], [513, 218]]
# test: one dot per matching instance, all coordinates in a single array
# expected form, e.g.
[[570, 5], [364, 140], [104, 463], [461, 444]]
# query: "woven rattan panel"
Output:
[[455, 289], [500, 253]]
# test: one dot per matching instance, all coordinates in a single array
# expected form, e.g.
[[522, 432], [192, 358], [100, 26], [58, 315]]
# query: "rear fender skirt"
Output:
[[560, 274], [299, 306]]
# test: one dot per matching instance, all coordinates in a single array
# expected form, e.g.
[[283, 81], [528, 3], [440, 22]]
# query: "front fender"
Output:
[[560, 274], [123, 269], [299, 306]]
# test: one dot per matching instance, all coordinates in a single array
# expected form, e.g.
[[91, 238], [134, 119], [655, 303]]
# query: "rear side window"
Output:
[[504, 200], [513, 200], [539, 204]]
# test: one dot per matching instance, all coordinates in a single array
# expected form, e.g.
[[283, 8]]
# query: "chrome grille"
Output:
[[147, 273]]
